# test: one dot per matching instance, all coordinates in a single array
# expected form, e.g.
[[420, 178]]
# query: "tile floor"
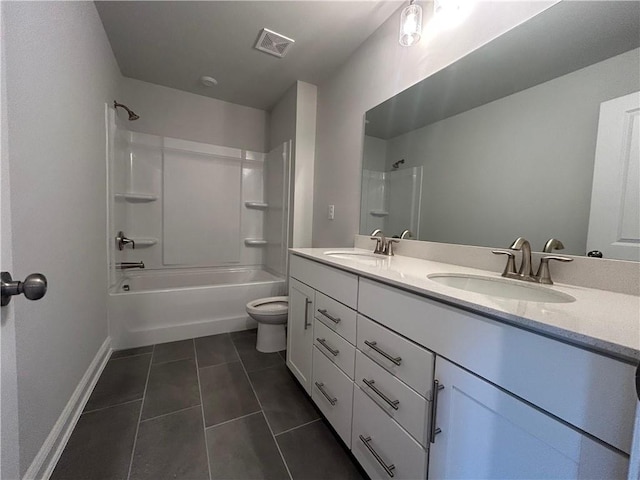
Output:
[[203, 409]]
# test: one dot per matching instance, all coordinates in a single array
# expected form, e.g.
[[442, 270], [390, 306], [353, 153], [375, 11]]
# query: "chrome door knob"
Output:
[[34, 287]]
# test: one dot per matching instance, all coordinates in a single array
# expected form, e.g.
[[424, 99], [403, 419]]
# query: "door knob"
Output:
[[34, 287]]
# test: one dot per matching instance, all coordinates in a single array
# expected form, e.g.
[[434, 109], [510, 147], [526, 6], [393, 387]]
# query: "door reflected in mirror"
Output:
[[503, 143]]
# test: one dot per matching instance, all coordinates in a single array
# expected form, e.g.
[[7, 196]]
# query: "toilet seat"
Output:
[[269, 306], [271, 314]]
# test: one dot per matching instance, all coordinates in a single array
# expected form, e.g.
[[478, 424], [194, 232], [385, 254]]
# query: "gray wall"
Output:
[[60, 73], [294, 118], [518, 166], [374, 154], [379, 69], [172, 113]]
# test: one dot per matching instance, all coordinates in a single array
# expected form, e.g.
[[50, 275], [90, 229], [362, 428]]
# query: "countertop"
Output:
[[600, 320]]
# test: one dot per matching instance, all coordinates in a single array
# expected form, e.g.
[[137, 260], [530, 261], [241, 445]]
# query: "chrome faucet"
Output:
[[381, 241], [543, 275], [406, 234], [128, 265], [384, 245], [122, 241], [525, 272]]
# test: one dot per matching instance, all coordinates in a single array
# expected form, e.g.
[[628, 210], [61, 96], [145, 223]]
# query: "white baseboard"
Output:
[[45, 461]]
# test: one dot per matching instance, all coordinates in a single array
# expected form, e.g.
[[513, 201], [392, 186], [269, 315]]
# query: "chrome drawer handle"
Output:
[[387, 468], [395, 360], [437, 386], [392, 403], [323, 342], [323, 311], [307, 302], [332, 400]]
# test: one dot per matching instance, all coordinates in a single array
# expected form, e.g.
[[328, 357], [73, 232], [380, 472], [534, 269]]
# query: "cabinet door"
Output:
[[300, 332], [487, 433]]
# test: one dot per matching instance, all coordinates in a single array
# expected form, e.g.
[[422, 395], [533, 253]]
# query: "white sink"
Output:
[[364, 258], [501, 287]]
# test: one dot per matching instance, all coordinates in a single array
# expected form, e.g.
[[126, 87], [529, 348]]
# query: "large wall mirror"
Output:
[[516, 139]]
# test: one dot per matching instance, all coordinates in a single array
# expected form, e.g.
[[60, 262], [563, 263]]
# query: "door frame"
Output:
[[9, 432]]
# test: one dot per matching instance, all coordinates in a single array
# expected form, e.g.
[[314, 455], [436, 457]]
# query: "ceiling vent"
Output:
[[273, 43]]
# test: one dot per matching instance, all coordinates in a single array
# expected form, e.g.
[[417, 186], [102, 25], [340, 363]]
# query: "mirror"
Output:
[[504, 140]]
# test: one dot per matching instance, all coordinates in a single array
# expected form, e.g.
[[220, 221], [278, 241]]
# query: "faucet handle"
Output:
[[510, 267], [544, 274], [390, 242]]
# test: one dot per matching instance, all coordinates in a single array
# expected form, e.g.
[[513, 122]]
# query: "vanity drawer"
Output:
[[391, 444], [335, 348], [337, 284], [338, 317], [409, 362], [403, 404], [333, 393]]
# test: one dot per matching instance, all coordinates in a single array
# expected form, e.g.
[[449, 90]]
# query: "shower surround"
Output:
[[209, 222]]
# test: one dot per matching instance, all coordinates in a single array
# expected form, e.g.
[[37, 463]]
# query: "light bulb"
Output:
[[410, 25]]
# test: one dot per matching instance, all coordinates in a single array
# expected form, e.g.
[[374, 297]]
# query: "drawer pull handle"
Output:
[[332, 400], [307, 302], [392, 403], [323, 311], [387, 468], [323, 342], [437, 386], [374, 345]]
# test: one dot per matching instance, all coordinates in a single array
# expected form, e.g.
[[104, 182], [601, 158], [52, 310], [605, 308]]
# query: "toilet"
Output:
[[271, 315]]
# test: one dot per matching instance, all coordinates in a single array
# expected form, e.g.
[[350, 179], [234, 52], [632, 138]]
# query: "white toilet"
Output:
[[271, 315]]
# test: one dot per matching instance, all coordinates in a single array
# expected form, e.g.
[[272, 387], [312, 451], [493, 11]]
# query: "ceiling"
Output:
[[174, 43]]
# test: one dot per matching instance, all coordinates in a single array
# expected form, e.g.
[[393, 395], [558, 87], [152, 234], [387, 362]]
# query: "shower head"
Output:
[[132, 114]]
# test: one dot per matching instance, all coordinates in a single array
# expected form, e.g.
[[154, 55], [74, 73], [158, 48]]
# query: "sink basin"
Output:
[[501, 287], [365, 258]]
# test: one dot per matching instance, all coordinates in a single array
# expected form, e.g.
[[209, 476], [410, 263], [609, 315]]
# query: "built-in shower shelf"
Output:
[[255, 242], [256, 205], [379, 213], [145, 242], [136, 197]]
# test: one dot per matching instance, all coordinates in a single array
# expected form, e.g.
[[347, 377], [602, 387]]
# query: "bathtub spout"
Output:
[[128, 265]]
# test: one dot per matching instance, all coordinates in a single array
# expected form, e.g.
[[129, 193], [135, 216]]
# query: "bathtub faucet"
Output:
[[128, 265], [122, 241]]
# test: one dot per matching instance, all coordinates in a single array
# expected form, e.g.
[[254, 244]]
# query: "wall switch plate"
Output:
[[332, 212]]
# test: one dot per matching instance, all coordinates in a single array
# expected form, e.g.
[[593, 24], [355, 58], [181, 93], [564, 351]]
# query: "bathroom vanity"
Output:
[[424, 380]]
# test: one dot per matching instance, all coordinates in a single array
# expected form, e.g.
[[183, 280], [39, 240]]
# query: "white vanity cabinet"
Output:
[[441, 392], [321, 338], [300, 332]]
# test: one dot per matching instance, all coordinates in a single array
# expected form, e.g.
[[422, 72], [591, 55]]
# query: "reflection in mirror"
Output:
[[505, 140]]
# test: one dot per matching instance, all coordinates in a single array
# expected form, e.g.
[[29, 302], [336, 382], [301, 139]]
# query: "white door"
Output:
[[9, 454], [614, 221], [300, 332], [487, 433]]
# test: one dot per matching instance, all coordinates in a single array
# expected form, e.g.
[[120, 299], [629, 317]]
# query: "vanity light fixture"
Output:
[[410, 24]]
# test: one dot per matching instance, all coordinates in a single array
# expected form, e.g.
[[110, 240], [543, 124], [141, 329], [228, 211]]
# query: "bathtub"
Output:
[[147, 307]]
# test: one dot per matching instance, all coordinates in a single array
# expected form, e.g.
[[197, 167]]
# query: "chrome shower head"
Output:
[[132, 114]]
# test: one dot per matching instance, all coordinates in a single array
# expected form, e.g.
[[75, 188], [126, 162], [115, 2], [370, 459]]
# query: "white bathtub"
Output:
[[148, 307]]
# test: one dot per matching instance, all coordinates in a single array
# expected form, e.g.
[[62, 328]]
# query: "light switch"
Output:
[[332, 212]]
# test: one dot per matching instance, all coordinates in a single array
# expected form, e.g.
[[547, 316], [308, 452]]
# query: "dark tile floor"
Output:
[[203, 409]]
